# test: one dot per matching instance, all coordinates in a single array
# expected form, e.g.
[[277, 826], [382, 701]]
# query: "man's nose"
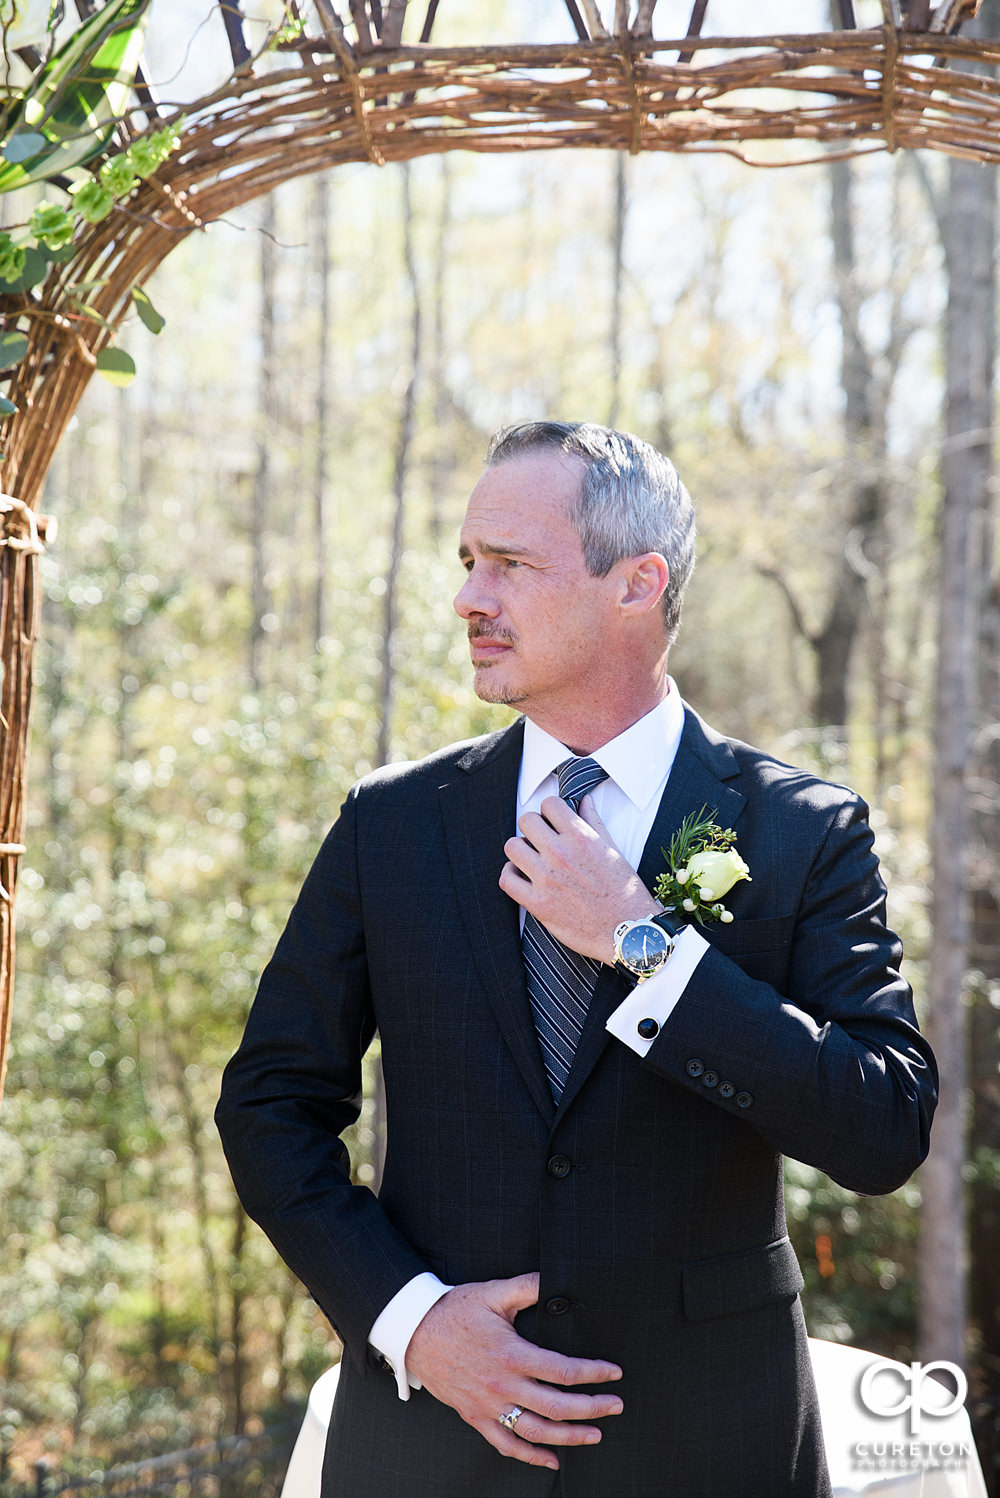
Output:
[[474, 598]]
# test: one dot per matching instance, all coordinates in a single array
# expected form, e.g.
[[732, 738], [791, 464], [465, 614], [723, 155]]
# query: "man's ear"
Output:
[[643, 581]]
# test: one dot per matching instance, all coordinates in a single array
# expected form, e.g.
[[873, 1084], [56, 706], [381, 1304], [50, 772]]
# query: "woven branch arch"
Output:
[[339, 91]]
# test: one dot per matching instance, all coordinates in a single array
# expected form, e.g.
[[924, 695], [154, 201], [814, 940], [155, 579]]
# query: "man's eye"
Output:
[[511, 562]]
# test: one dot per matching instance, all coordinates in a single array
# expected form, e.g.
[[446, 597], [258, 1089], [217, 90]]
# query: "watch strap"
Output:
[[665, 919]]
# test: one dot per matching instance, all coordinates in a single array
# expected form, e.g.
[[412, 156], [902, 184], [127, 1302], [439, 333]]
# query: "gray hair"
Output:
[[631, 499]]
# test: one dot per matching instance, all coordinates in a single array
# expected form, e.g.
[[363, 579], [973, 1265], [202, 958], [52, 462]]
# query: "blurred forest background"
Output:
[[249, 606]]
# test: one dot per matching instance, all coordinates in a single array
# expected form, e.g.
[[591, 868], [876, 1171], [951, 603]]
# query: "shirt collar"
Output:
[[638, 760]]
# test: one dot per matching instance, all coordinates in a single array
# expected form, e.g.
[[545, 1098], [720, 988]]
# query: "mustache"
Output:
[[482, 629]]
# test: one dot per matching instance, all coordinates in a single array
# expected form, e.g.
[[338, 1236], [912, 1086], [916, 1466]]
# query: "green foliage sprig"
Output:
[[702, 866], [60, 120]]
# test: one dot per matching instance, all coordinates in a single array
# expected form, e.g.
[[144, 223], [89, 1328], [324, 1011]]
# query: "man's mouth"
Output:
[[487, 645], [484, 650]]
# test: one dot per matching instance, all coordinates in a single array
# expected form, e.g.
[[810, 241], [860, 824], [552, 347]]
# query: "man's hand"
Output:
[[467, 1354], [567, 871]]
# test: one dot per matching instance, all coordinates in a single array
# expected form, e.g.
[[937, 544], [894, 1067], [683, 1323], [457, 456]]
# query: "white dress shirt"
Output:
[[638, 763]]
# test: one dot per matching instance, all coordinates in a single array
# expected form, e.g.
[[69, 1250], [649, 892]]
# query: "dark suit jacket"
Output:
[[650, 1200]]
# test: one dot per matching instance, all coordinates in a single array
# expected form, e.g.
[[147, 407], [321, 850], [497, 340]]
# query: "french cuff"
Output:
[[639, 1019], [394, 1326]]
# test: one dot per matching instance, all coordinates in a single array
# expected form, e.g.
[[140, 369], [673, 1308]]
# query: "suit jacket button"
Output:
[[743, 1100], [557, 1305], [695, 1067], [559, 1166], [648, 1029], [726, 1089], [710, 1079]]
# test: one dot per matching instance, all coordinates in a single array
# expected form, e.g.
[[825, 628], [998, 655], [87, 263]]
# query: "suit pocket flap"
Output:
[[731, 1283]]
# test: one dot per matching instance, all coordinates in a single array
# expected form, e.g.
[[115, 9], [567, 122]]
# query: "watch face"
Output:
[[644, 948]]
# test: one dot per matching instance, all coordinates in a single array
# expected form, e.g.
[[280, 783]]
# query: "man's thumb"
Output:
[[589, 814], [517, 1294]]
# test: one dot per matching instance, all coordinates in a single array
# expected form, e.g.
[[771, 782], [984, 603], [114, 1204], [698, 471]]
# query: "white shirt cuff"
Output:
[[394, 1326], [654, 1000]]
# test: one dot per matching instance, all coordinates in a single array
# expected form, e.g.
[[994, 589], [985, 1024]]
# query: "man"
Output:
[[576, 1279]]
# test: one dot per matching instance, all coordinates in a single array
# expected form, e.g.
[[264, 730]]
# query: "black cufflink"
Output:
[[648, 1029]]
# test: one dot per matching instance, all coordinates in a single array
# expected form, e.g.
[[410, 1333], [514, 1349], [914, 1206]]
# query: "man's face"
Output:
[[536, 618]]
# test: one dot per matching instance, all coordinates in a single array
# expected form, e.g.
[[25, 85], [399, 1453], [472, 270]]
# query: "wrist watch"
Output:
[[642, 947]]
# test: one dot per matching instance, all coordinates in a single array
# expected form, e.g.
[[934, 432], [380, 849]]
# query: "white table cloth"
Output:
[[868, 1454]]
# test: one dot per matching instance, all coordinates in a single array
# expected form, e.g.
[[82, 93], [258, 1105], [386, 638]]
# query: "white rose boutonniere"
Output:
[[702, 866]]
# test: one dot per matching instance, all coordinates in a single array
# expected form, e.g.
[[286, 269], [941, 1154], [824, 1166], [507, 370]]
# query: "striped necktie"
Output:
[[560, 981]]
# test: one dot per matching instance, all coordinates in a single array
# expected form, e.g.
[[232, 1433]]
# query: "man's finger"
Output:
[[562, 1371], [522, 855], [538, 831], [508, 1444], [557, 813], [515, 884], [521, 1448]]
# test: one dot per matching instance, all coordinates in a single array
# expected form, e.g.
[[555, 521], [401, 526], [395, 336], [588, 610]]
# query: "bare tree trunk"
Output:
[[967, 466], [617, 272], [289, 1410], [834, 643], [237, 1332], [265, 411], [404, 440], [439, 467], [321, 234], [195, 1139], [982, 1015]]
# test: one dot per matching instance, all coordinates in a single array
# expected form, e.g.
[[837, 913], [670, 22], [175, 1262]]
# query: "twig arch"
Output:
[[336, 93]]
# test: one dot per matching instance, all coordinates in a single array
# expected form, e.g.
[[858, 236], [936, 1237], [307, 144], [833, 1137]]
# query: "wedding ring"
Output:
[[510, 1419]]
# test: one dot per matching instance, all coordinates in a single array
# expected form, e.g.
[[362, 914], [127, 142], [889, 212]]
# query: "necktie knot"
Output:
[[577, 778]]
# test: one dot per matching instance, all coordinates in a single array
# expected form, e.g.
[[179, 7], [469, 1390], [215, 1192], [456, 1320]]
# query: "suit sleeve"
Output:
[[294, 1085], [829, 1066]]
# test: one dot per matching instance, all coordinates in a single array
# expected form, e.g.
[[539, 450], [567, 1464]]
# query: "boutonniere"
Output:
[[702, 866]]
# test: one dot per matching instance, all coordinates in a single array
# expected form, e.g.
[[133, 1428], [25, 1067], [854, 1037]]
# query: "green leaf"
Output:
[[7, 407], [84, 309], [13, 347], [147, 312], [83, 89], [36, 266], [117, 367], [23, 146], [51, 225]]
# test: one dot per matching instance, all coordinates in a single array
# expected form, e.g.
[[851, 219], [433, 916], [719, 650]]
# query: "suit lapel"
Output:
[[477, 809], [703, 765]]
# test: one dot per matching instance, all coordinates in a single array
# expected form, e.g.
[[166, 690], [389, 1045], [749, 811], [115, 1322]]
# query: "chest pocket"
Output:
[[761, 948]]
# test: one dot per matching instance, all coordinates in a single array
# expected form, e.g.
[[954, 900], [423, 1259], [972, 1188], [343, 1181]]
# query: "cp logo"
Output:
[[912, 1394]]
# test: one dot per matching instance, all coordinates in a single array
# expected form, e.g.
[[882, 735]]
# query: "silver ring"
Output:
[[510, 1419]]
